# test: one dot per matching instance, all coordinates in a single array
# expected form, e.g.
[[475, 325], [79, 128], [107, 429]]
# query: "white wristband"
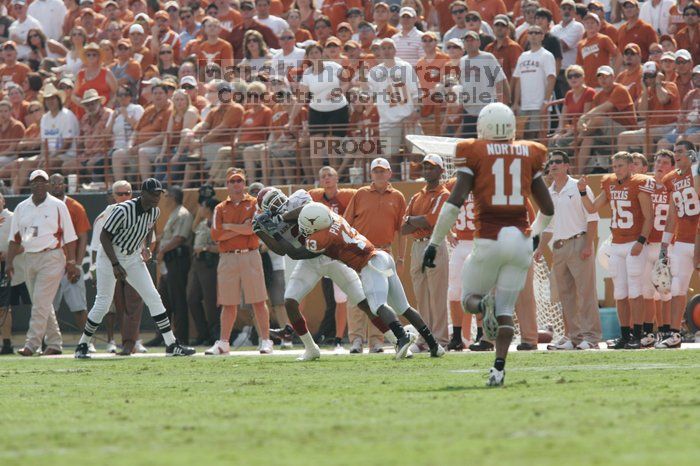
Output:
[[446, 219], [666, 237]]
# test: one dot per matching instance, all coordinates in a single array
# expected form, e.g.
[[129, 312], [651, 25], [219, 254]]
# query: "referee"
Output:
[[119, 258]]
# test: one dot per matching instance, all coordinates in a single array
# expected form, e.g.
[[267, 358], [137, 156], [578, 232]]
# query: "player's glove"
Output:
[[260, 222], [429, 257]]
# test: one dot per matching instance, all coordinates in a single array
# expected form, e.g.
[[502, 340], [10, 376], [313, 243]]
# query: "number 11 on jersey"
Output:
[[514, 168]]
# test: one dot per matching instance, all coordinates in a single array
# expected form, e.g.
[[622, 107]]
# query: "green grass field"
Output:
[[607, 408]]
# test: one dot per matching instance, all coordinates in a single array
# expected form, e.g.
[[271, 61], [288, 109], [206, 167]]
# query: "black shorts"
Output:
[[333, 123], [18, 294]]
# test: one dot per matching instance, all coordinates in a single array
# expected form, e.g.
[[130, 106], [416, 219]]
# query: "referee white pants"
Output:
[[136, 275]]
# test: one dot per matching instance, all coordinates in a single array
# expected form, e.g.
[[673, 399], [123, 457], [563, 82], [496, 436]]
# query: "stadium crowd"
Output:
[[130, 89]]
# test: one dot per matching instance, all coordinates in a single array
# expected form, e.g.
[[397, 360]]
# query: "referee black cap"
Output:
[[152, 185]]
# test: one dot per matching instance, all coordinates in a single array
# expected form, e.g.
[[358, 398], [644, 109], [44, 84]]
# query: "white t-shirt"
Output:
[[56, 129], [122, 130], [532, 69], [570, 34], [275, 23], [322, 85], [281, 63], [479, 77], [18, 33], [38, 225], [5, 230], [396, 90], [657, 16], [50, 13]]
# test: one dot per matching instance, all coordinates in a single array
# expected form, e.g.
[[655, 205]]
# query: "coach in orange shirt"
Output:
[[377, 212], [421, 215], [240, 270]]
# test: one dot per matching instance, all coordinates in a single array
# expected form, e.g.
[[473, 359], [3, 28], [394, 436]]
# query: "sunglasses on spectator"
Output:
[[556, 161], [680, 61], [649, 75], [630, 53], [125, 193], [166, 52], [32, 36], [321, 26], [458, 12], [472, 19], [287, 38], [453, 47], [574, 75], [535, 33], [74, 34], [30, 112], [427, 39], [188, 87], [92, 54], [122, 94], [690, 13], [185, 16], [655, 52]]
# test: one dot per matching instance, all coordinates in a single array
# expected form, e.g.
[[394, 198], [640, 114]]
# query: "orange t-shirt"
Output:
[[664, 114], [594, 52], [659, 206], [464, 228], [337, 204], [691, 44], [12, 134], [503, 173], [444, 15], [684, 85], [230, 115], [609, 30], [230, 19], [144, 58], [506, 53], [387, 31], [377, 215], [431, 71], [16, 73], [488, 9], [632, 80], [551, 5], [685, 201], [152, 122], [622, 102], [219, 52], [236, 212], [302, 35], [427, 202], [336, 10], [342, 242], [78, 216], [256, 125], [627, 216], [640, 33]]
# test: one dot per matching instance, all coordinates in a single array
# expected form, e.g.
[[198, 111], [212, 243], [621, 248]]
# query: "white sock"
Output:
[[308, 340], [168, 337], [84, 339], [389, 335]]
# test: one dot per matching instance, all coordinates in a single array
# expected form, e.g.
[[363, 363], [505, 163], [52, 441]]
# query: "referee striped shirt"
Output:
[[129, 224]]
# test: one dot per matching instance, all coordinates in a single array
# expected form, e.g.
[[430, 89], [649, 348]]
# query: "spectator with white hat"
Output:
[[394, 84], [684, 72], [377, 212], [659, 103], [689, 117], [59, 129], [407, 40], [667, 64]]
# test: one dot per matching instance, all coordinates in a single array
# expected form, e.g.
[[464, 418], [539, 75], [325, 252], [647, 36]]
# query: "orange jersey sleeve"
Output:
[[342, 242], [503, 173], [659, 204], [685, 201]]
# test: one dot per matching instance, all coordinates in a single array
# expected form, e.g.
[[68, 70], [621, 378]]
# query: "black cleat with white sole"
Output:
[[176, 349], [81, 352]]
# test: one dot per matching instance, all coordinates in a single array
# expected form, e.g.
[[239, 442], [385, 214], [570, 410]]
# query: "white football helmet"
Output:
[[496, 121], [661, 276], [274, 202], [314, 217]]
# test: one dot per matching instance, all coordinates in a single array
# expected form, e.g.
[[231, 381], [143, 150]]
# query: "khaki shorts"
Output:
[[240, 275]]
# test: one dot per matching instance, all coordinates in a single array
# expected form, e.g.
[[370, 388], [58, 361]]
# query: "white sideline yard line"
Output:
[[160, 352], [588, 367]]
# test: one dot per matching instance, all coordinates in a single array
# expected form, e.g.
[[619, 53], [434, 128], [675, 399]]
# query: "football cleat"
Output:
[[139, 348], [310, 353], [176, 349], [456, 344], [617, 343], [562, 345], [648, 340], [403, 345], [634, 343], [7, 350], [111, 347], [266, 347], [496, 377], [81, 352], [481, 345], [91, 348], [356, 347], [437, 352], [673, 340], [585, 345], [487, 306], [526, 347]]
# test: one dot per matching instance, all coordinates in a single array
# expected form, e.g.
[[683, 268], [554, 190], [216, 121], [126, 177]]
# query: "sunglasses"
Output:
[[185, 17], [556, 161], [166, 52], [121, 94], [453, 47], [631, 53], [92, 54], [472, 19], [188, 87], [75, 34], [125, 193], [321, 26], [429, 39], [680, 61], [32, 36], [458, 12], [690, 13], [30, 112], [534, 33], [287, 38], [655, 52], [574, 75]]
